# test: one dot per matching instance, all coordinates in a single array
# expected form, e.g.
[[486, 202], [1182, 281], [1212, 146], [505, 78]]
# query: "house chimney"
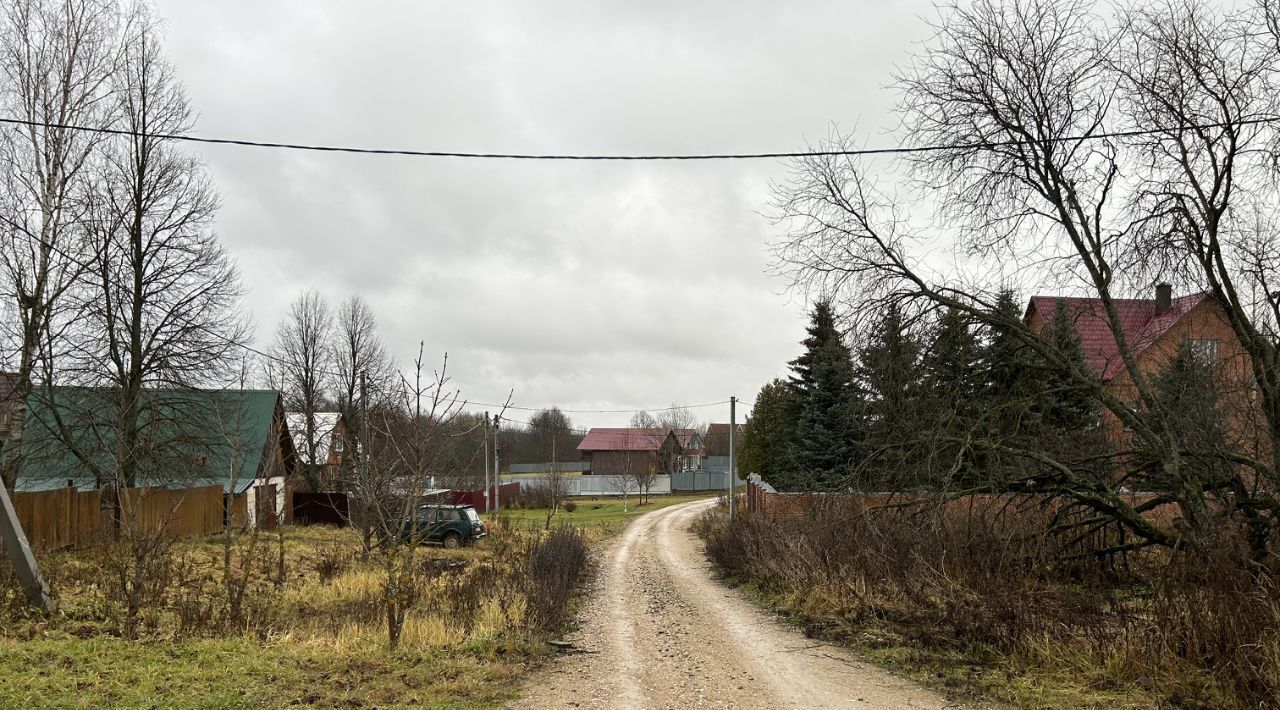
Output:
[[1164, 298]]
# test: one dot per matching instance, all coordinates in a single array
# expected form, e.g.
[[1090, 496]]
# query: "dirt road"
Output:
[[660, 632]]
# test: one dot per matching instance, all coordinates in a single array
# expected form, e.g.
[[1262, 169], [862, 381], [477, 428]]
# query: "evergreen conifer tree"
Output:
[[1013, 379], [826, 404], [1189, 392], [769, 435], [954, 390], [889, 374], [1068, 407]]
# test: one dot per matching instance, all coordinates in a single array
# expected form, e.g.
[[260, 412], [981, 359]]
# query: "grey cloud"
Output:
[[585, 285]]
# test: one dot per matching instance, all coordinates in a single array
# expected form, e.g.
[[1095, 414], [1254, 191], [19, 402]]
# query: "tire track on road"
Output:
[[660, 631]]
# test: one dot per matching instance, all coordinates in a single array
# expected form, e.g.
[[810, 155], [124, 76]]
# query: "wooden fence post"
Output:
[[24, 562]]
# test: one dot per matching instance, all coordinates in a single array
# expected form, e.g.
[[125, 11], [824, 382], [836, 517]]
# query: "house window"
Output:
[[337, 444], [1205, 351]]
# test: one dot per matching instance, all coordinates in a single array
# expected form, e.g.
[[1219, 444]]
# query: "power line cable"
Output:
[[896, 150], [605, 411]]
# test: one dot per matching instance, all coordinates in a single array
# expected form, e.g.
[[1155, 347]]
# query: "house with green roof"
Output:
[[236, 439]]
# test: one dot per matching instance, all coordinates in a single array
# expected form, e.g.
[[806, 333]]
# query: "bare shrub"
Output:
[[985, 575], [331, 561], [556, 563], [138, 572]]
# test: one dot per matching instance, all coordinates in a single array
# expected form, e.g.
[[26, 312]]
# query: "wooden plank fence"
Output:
[[67, 518]]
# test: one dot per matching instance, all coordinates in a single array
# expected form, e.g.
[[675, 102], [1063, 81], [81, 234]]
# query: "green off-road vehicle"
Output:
[[450, 525]]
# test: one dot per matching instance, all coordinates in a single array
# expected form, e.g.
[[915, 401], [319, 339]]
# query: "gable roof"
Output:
[[326, 422], [717, 440], [1141, 326], [626, 439], [196, 437], [689, 441]]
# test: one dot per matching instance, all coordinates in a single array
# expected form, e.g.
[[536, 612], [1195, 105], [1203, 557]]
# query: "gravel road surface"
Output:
[[659, 631]]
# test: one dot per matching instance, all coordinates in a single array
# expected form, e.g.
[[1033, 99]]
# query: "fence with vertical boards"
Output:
[[68, 518]]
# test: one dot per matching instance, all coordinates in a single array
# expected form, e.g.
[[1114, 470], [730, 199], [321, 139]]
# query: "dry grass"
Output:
[[313, 636], [984, 602]]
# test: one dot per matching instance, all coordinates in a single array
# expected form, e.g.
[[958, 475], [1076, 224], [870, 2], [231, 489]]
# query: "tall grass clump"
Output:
[[515, 586]]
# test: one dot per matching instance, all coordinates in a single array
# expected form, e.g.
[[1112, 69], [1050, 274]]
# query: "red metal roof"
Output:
[[603, 439], [1138, 321]]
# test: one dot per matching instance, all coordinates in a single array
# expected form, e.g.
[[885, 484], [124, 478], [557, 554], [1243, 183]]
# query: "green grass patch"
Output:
[[604, 516], [66, 671]]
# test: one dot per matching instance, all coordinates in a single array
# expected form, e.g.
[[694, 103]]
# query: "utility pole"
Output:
[[497, 491], [362, 446], [733, 469], [486, 463], [24, 561]]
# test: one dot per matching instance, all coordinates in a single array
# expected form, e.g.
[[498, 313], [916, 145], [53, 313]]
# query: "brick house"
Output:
[[1153, 329], [626, 451]]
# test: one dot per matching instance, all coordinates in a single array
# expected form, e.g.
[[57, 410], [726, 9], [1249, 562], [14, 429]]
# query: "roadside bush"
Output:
[[984, 577], [555, 566]]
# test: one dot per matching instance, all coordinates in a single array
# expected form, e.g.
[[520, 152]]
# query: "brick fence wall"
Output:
[[762, 499]]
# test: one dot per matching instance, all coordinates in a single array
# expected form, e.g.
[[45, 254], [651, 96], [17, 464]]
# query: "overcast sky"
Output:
[[588, 286]]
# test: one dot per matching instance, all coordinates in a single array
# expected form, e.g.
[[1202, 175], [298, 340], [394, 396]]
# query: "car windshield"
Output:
[[471, 514]]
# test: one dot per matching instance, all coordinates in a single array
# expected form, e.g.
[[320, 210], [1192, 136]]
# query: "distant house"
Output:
[[8, 384], [1153, 328], [236, 439], [331, 443], [693, 452], [626, 451], [717, 440]]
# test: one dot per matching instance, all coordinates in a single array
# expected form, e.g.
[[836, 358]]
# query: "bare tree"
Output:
[[551, 489], [160, 299], [56, 64], [625, 471], [551, 427], [1012, 99], [643, 420], [408, 446], [358, 349], [1206, 206], [553, 431], [157, 317], [300, 354], [238, 554], [644, 477], [677, 416]]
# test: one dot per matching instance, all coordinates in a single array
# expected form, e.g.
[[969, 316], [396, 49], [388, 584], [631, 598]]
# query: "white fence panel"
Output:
[[589, 485]]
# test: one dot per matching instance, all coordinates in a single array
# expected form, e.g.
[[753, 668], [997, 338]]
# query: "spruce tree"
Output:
[[1068, 406], [1013, 381], [1189, 396], [954, 390], [769, 434], [826, 403], [889, 374]]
